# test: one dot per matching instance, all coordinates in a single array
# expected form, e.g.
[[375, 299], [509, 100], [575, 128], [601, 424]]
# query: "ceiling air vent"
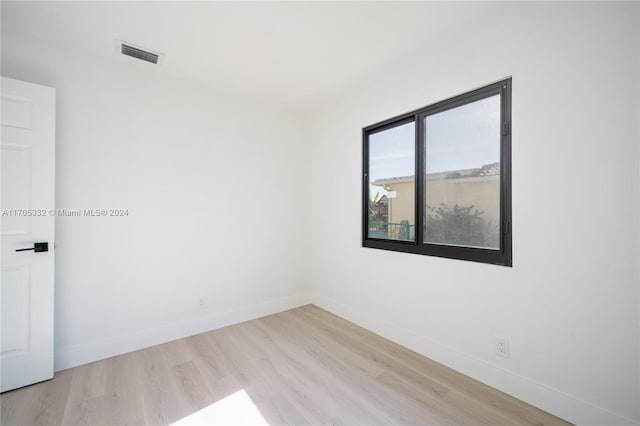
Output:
[[138, 52]]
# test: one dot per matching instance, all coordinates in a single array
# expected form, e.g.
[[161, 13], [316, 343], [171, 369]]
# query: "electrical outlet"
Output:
[[202, 302], [502, 346]]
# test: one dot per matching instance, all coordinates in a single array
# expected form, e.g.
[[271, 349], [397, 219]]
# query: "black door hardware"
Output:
[[37, 247]]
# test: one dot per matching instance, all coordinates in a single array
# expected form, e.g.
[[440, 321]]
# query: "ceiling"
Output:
[[296, 55]]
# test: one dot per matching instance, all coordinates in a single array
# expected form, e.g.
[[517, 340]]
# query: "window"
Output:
[[459, 206]]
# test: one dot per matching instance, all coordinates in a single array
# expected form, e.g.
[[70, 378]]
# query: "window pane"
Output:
[[462, 185], [392, 183]]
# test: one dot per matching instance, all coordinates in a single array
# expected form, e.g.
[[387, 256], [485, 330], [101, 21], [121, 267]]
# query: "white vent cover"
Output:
[[139, 52]]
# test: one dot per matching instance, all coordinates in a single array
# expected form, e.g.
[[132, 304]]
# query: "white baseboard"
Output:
[[556, 402], [67, 357]]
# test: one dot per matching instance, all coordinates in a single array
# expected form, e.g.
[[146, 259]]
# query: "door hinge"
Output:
[[507, 227], [506, 129]]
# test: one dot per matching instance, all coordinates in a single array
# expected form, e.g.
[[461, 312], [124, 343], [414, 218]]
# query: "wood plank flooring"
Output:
[[303, 366]]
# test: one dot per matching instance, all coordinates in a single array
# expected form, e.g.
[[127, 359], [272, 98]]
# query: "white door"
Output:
[[27, 200]]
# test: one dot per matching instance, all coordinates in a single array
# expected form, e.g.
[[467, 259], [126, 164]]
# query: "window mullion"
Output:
[[419, 180]]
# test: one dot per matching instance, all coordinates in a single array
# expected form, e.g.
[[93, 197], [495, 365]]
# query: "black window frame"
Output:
[[503, 256]]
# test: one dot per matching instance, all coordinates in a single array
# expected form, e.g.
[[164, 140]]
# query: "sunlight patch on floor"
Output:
[[235, 409]]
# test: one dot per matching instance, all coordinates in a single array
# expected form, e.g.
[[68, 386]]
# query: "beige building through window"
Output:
[[477, 189]]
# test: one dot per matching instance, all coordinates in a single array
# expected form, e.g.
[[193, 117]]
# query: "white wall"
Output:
[[570, 303], [217, 193]]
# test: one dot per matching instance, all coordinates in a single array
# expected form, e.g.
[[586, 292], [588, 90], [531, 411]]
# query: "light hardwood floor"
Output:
[[303, 366]]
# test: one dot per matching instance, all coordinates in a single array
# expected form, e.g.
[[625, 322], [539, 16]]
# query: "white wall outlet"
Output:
[[502, 346], [202, 302]]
